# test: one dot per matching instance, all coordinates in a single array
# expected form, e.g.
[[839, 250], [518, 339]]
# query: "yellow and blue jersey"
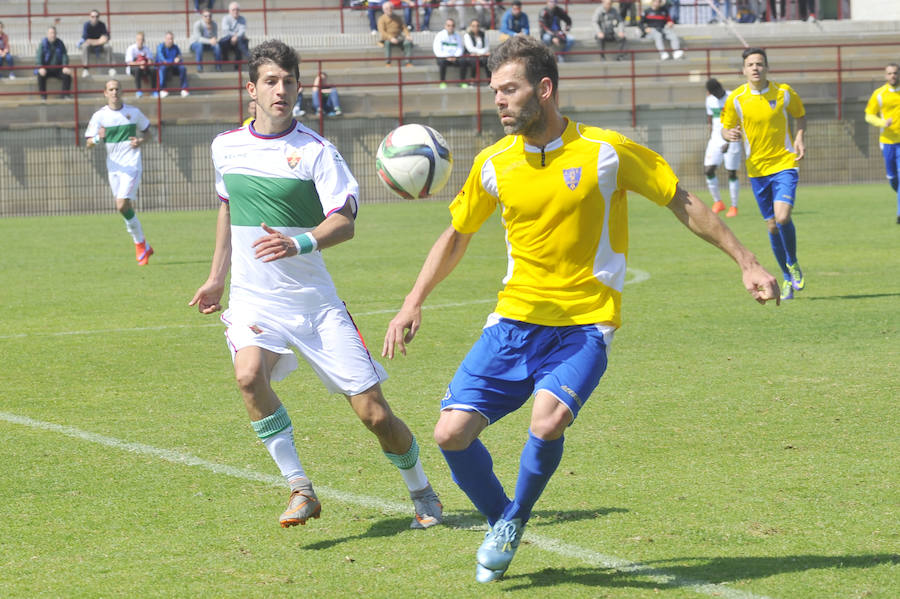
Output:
[[885, 104], [763, 116], [564, 208]]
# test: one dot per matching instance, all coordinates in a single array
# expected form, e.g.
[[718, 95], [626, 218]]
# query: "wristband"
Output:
[[305, 243], [96, 139]]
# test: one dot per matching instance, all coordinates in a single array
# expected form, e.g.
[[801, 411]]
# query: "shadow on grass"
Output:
[[693, 571], [854, 297], [382, 528]]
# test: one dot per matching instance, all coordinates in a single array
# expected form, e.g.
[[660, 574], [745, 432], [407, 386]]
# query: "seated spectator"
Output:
[[750, 11], [484, 12], [609, 27], [396, 5], [448, 49], [658, 24], [427, 7], [372, 11], [630, 10], [5, 54], [325, 97], [168, 57], [298, 105], [234, 35], [457, 5], [478, 48], [51, 58], [721, 14], [95, 38], [514, 22], [209, 6], [675, 10], [140, 64], [394, 32], [555, 25], [205, 36]]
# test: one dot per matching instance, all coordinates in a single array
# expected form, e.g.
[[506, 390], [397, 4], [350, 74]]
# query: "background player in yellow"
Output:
[[883, 111], [759, 110], [562, 189]]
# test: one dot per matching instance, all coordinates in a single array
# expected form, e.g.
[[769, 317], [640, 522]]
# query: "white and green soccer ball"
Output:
[[414, 161]]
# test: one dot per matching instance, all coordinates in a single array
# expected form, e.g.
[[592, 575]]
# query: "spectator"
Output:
[[209, 5], [460, 7], [675, 10], [168, 57], [658, 24], [206, 37], [394, 32], [372, 11], [251, 112], [5, 54], [95, 37], [298, 105], [807, 10], [139, 59], [427, 7], [555, 25], [51, 58], [774, 15], [630, 10], [514, 22], [484, 12], [322, 93], [726, 13], [609, 27], [478, 48], [234, 35], [449, 49], [407, 6]]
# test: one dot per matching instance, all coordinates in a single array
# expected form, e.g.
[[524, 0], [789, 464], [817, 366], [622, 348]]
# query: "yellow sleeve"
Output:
[[473, 204], [872, 106], [645, 172], [795, 107], [729, 115], [875, 120]]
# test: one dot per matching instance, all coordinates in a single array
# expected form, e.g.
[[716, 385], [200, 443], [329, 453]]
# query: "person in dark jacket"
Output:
[[51, 59], [555, 25]]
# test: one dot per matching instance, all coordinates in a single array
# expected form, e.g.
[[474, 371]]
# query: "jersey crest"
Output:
[[572, 177], [293, 159]]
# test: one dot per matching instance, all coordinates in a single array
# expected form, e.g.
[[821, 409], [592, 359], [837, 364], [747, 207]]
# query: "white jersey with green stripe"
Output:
[[291, 181], [119, 126]]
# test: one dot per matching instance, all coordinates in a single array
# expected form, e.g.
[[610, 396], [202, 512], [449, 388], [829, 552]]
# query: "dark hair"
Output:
[[517, 3], [890, 64], [714, 87], [750, 51], [538, 59], [275, 51]]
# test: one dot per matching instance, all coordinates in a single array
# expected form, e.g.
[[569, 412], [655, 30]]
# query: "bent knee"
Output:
[[451, 438]]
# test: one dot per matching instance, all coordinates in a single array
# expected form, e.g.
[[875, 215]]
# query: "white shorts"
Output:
[[715, 155], [328, 340], [124, 184]]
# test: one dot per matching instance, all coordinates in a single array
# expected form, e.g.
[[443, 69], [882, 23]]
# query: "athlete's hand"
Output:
[[207, 297], [401, 330], [274, 246], [800, 147], [135, 141], [761, 285], [102, 132], [732, 134]]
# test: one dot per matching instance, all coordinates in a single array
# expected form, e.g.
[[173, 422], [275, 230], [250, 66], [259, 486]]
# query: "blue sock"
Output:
[[473, 470], [778, 250], [789, 238], [539, 461], [894, 182]]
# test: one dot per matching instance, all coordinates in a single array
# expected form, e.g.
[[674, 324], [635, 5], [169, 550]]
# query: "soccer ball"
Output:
[[414, 161]]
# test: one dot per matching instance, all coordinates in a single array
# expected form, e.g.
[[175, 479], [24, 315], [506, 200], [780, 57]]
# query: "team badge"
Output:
[[256, 329], [772, 104], [293, 159], [572, 177]]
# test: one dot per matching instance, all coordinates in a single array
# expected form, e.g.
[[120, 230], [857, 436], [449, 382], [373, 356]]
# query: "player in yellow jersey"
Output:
[[562, 189], [758, 112], [883, 111]]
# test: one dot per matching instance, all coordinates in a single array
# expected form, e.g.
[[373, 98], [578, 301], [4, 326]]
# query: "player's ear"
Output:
[[251, 89], [545, 89]]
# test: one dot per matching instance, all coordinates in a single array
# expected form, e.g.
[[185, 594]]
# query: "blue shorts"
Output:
[[512, 360], [891, 153], [777, 187]]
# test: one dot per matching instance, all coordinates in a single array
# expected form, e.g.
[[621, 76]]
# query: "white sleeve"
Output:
[[334, 182], [143, 123], [93, 127], [221, 191], [438, 46]]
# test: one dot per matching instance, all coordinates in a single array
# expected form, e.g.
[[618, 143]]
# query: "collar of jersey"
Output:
[[274, 135], [553, 145], [761, 92]]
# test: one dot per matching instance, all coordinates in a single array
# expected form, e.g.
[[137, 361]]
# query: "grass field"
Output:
[[732, 450]]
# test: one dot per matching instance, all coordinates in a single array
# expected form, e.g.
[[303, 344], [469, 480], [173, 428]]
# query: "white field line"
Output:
[[588, 556], [638, 276]]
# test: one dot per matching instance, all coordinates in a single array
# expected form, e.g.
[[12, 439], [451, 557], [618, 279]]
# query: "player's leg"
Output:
[[784, 195], [711, 161], [124, 186], [762, 190], [891, 153], [732, 160]]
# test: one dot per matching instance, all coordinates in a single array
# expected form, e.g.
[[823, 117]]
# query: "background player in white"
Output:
[[718, 151], [122, 129], [279, 172]]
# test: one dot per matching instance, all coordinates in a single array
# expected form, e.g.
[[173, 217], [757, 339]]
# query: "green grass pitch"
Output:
[[732, 450]]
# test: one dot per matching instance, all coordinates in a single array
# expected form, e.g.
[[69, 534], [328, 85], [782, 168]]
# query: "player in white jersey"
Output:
[[286, 194], [122, 129], [719, 151]]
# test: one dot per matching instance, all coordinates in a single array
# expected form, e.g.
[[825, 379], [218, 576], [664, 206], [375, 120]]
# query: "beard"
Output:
[[527, 121]]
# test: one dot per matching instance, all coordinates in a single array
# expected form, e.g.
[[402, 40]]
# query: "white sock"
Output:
[[713, 184], [133, 226], [734, 188], [414, 477], [282, 449]]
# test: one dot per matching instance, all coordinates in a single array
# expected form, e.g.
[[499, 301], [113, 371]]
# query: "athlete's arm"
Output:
[[210, 293], [697, 217], [445, 254], [799, 144], [337, 228], [877, 121]]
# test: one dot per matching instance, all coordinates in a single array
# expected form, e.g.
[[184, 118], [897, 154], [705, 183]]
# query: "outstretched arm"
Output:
[[337, 228], [697, 217], [445, 254], [210, 293]]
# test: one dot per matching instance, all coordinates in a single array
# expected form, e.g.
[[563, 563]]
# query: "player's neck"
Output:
[[758, 85], [555, 124], [267, 126]]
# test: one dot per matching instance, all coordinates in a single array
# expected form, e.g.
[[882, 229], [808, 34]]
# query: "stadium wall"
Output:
[[42, 172]]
